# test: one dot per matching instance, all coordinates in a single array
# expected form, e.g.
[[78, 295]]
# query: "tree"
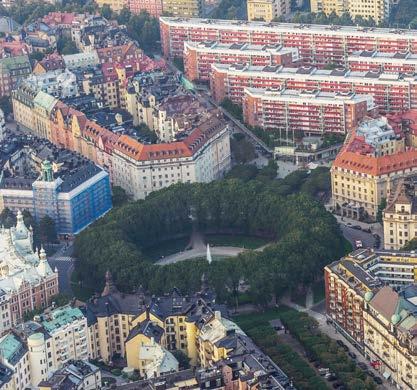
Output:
[[242, 150], [124, 16], [119, 196], [106, 11], [6, 105], [36, 56], [183, 360], [233, 109], [47, 229], [66, 46], [381, 208]]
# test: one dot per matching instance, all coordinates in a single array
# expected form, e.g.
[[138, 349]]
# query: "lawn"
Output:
[[318, 345], [294, 365], [240, 241], [166, 248]]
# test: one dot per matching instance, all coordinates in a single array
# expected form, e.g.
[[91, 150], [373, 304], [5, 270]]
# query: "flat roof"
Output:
[[268, 27]]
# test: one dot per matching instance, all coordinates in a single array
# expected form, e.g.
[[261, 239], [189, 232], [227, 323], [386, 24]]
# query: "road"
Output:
[[64, 262], [353, 235]]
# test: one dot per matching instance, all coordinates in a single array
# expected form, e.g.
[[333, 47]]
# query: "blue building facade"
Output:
[[73, 200]]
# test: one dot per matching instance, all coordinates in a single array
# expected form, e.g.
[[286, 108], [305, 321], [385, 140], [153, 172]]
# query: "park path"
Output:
[[197, 248]]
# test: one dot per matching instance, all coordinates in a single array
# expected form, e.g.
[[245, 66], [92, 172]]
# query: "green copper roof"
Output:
[[59, 317], [44, 100], [12, 62], [9, 346]]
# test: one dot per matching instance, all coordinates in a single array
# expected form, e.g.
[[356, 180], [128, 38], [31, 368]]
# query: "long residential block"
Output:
[[311, 112], [365, 60], [199, 56], [317, 44], [391, 92]]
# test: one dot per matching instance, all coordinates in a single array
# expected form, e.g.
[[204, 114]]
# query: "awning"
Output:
[[386, 375]]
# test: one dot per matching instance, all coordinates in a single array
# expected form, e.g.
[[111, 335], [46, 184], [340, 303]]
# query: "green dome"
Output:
[[368, 296], [395, 319]]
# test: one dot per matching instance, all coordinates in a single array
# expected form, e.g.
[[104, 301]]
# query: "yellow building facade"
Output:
[[115, 5], [375, 9], [389, 335], [183, 8], [267, 10]]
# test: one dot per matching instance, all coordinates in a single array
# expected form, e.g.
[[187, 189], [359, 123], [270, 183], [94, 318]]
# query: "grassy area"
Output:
[[294, 365], [299, 298], [166, 248], [248, 242], [318, 291]]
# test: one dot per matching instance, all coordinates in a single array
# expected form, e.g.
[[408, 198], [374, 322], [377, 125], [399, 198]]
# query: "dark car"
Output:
[[371, 374], [337, 384], [342, 344], [378, 380], [352, 355], [357, 227], [362, 366]]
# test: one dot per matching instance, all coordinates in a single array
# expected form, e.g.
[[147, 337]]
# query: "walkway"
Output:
[[197, 248]]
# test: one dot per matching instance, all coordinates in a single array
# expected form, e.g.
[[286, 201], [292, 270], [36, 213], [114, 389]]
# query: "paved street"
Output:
[[63, 261]]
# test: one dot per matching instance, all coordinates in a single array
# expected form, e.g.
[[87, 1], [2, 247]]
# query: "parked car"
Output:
[[342, 344], [352, 355], [356, 227], [337, 384], [324, 371], [359, 244], [362, 366], [378, 380]]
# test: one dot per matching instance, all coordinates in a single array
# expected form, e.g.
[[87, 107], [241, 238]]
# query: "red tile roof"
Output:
[[186, 148], [376, 165]]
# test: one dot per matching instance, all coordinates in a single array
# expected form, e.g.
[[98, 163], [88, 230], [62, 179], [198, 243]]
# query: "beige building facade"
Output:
[[389, 335], [267, 10], [378, 10], [183, 8]]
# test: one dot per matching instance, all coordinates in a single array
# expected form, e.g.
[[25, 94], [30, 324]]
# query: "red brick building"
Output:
[[317, 44], [364, 61], [198, 56], [310, 112], [391, 92]]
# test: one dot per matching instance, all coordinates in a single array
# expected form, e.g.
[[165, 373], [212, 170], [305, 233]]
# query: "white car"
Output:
[[358, 244]]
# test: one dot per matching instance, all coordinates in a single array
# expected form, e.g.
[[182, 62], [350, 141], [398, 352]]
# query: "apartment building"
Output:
[[202, 156], [377, 61], [346, 286], [2, 125], [152, 7], [362, 177], [310, 112], [400, 215], [267, 10], [183, 8], [318, 45], [76, 375], [27, 281], [375, 9], [391, 92], [115, 5], [12, 70], [71, 190], [390, 342], [54, 338], [362, 305], [199, 56], [15, 363], [43, 104]]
